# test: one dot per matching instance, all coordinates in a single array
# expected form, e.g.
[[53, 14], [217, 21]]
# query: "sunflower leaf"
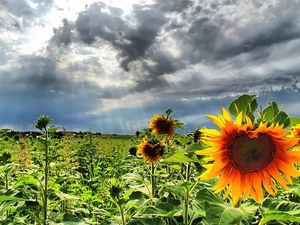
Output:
[[168, 112], [217, 214], [147, 221], [279, 216], [273, 115], [246, 104], [206, 195], [163, 209], [294, 121], [180, 157]]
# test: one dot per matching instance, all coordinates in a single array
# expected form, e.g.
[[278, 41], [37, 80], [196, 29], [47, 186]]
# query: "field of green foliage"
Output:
[[86, 178]]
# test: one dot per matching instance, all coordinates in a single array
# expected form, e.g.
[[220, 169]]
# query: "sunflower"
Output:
[[162, 125], [248, 159], [151, 151], [295, 131]]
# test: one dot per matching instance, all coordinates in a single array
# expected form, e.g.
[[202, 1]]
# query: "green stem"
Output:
[[187, 172], [186, 197], [174, 220], [6, 180], [153, 183], [46, 178], [122, 215], [121, 210], [186, 208]]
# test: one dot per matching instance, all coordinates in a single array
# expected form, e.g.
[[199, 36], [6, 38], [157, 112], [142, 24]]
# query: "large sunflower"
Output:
[[247, 158], [162, 125], [151, 151]]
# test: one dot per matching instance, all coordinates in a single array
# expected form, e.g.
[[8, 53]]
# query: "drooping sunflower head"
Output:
[[247, 158], [151, 151], [162, 125]]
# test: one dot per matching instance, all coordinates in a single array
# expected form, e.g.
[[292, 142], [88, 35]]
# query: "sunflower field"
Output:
[[243, 171]]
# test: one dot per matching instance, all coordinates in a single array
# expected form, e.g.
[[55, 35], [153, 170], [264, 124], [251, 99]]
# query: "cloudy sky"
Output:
[[110, 65]]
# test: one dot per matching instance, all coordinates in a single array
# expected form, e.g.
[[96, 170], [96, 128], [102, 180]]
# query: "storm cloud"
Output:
[[108, 63]]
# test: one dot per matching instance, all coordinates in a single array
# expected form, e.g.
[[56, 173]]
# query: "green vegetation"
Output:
[[69, 178]]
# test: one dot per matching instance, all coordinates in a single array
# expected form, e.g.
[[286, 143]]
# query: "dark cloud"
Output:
[[23, 14], [203, 33], [96, 23], [140, 38], [132, 42], [173, 6], [63, 34]]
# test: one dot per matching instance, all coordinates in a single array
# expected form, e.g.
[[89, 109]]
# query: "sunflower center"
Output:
[[251, 154], [150, 151], [164, 125]]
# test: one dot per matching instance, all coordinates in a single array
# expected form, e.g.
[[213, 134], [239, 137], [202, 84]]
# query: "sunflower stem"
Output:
[[152, 178], [44, 185], [186, 197], [187, 172], [46, 177], [186, 208], [238, 204], [120, 208]]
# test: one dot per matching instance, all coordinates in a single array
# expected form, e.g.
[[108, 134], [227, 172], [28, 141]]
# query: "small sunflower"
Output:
[[247, 158], [162, 125], [295, 131], [151, 151]]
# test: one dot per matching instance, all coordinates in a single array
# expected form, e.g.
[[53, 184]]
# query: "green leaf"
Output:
[[280, 210], [245, 103], [294, 121], [180, 125], [180, 157], [168, 112], [162, 209], [248, 209], [278, 216], [72, 223], [147, 221], [10, 198], [196, 211], [52, 129], [175, 166], [7, 167], [273, 115], [196, 147], [186, 186], [281, 205], [130, 204], [206, 195], [175, 189], [63, 196], [220, 213], [26, 180], [71, 220]]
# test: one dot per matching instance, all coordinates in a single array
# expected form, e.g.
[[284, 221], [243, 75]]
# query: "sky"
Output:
[[110, 65]]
